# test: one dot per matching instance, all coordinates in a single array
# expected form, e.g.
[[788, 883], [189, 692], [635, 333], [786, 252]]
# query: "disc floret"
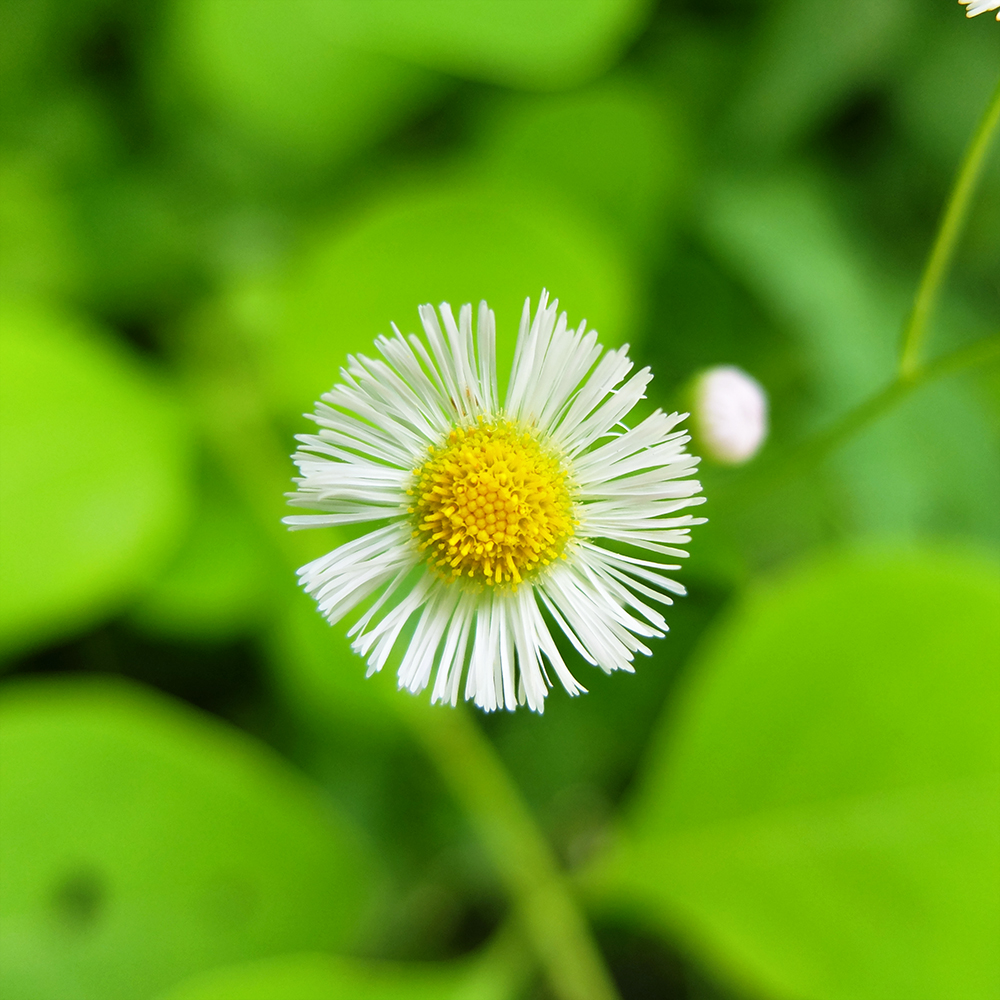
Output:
[[491, 504]]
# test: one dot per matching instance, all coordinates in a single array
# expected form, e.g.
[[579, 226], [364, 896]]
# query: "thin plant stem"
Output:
[[943, 248], [809, 453], [969, 356], [549, 915], [236, 427]]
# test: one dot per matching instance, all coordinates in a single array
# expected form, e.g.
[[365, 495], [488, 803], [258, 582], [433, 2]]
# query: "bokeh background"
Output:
[[206, 204]]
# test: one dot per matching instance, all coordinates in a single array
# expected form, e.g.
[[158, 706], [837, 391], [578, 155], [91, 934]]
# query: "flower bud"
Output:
[[730, 414]]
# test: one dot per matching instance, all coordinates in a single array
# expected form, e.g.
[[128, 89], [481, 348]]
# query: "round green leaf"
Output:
[[220, 582], [318, 672], [520, 43], [282, 75], [823, 812], [636, 152], [144, 843], [94, 489], [454, 243], [323, 977], [35, 231]]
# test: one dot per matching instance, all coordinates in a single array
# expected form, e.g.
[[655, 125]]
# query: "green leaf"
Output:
[[322, 977], [792, 85], [219, 583], [319, 673], [142, 253], [822, 813], [634, 161], [35, 229], [449, 242], [144, 842], [94, 489], [519, 43], [283, 76]]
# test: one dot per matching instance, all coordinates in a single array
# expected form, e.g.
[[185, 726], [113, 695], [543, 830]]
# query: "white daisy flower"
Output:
[[975, 7], [494, 514]]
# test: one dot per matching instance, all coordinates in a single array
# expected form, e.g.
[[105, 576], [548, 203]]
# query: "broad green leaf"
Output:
[[94, 489], [318, 672], [322, 977], [37, 38], [822, 812], [140, 250], [35, 239], [281, 73], [793, 84], [447, 242], [144, 842], [635, 156], [941, 100], [520, 43], [219, 582]]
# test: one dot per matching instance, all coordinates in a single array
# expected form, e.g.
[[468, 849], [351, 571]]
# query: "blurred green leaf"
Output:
[[94, 489], [144, 842], [324, 678], [139, 244], [811, 56], [218, 584], [954, 71], [36, 255], [283, 75], [35, 38], [781, 234], [822, 812], [452, 242], [322, 977], [628, 170], [519, 43]]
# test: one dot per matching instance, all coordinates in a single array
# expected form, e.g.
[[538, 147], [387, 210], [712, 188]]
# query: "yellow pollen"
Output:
[[491, 504]]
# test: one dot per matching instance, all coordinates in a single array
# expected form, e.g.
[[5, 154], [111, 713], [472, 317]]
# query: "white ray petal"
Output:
[[376, 429]]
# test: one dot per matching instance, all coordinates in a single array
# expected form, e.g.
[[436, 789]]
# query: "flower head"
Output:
[[493, 514], [730, 414], [975, 7]]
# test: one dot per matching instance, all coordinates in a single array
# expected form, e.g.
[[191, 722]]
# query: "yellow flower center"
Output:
[[491, 504]]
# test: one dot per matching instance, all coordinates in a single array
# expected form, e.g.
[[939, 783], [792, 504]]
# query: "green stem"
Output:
[[980, 352], [915, 331], [236, 427], [549, 914], [769, 476]]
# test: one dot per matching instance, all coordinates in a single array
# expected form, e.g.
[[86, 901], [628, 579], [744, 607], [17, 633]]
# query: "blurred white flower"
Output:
[[975, 7], [730, 414], [493, 513]]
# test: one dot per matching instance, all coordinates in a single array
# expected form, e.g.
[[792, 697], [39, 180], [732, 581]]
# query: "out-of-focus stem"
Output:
[[943, 248], [549, 915]]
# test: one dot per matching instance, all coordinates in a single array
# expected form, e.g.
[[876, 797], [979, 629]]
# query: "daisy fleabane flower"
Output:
[[976, 7], [496, 517]]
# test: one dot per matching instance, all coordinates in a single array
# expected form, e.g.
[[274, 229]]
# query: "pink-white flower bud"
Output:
[[730, 414]]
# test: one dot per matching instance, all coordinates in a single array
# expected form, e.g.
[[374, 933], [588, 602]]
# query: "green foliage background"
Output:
[[206, 204]]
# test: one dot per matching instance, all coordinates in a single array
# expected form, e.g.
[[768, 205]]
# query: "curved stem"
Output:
[[549, 914], [980, 352], [915, 331], [768, 476]]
